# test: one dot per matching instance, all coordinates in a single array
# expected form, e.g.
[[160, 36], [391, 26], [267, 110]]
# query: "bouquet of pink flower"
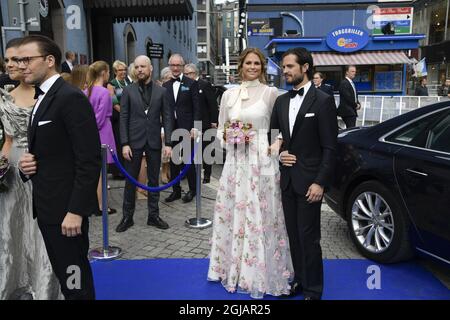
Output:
[[4, 167], [237, 132]]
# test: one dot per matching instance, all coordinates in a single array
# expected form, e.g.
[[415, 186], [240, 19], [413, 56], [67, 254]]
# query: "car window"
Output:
[[439, 136], [411, 134]]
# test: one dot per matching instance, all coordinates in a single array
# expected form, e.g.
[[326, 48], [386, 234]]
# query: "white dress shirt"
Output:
[[45, 86], [353, 86], [70, 65], [176, 87], [295, 104]]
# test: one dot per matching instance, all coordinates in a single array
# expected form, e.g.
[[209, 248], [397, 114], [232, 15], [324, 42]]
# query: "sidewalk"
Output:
[[144, 242]]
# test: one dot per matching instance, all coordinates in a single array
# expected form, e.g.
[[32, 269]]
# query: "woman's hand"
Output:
[[274, 149]]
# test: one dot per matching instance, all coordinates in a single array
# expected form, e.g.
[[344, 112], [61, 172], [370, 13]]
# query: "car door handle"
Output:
[[417, 172]]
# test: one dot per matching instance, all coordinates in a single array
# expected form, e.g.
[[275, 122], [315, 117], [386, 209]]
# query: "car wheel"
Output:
[[377, 224]]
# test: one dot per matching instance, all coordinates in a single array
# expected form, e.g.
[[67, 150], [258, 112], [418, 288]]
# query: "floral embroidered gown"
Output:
[[250, 251]]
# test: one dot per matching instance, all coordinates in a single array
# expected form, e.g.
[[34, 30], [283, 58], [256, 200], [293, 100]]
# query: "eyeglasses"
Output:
[[176, 65], [118, 70], [192, 72], [26, 60]]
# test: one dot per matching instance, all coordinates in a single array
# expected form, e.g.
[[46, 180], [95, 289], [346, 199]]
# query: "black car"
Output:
[[392, 185]]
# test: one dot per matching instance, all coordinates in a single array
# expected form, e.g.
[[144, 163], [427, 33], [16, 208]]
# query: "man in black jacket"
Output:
[[142, 106], [67, 66], [182, 93], [348, 102], [306, 118], [319, 84], [209, 108], [63, 164]]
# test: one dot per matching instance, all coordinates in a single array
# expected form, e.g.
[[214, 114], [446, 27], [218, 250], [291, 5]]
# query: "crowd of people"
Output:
[[266, 231]]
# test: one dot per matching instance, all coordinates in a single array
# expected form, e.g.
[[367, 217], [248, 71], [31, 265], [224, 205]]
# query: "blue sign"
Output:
[[347, 39]]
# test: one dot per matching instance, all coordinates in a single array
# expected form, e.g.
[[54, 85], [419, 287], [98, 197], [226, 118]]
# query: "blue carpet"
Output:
[[185, 279]]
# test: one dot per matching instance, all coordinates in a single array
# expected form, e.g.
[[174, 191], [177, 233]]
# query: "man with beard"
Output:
[[306, 118], [142, 106]]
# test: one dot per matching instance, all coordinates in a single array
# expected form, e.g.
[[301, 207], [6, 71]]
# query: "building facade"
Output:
[[207, 38], [339, 33]]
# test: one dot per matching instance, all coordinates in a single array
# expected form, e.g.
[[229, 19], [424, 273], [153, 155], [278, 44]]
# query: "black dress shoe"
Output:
[[206, 179], [124, 224], [100, 212], [188, 196], [175, 195], [157, 222]]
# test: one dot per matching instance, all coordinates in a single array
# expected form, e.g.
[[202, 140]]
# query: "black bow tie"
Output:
[[176, 79], [37, 92], [293, 93]]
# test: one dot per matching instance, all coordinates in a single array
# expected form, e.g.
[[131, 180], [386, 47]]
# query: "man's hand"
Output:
[[315, 193], [167, 152], [287, 159], [194, 133], [126, 152], [358, 106], [27, 164], [71, 226]]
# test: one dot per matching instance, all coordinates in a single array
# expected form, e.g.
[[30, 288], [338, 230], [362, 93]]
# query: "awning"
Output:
[[360, 58], [143, 10]]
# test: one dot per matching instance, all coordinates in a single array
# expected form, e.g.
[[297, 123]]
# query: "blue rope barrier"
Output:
[[153, 189]]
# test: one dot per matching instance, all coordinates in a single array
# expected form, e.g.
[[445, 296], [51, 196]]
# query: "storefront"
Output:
[[382, 61]]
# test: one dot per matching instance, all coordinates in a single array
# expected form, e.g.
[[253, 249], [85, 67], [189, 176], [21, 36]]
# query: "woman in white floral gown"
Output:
[[250, 251]]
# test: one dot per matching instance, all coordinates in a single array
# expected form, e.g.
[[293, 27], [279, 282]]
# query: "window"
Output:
[[439, 136], [412, 134]]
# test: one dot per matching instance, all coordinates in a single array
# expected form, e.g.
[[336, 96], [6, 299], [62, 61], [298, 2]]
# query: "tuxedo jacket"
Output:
[[347, 103], [313, 140], [326, 88], [186, 106], [64, 139], [65, 67], [208, 103], [138, 128]]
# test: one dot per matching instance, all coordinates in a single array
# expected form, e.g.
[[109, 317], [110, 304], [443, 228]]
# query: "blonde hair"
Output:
[[132, 72], [117, 64], [94, 72], [262, 58], [67, 77], [79, 75]]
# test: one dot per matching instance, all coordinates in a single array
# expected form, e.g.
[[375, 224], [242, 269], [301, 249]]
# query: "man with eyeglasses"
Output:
[[183, 99], [63, 164]]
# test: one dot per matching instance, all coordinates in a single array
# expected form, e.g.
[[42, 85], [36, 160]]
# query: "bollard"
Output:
[[198, 222], [106, 252]]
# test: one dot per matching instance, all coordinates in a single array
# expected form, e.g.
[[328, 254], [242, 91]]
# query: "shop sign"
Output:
[[260, 27], [347, 39]]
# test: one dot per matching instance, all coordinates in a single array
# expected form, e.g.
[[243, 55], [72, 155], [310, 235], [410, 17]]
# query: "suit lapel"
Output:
[[43, 106], [285, 118], [170, 88], [306, 105]]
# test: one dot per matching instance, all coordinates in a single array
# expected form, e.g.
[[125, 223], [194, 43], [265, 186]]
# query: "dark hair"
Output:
[[13, 43], [46, 46], [2, 65], [302, 56], [349, 66], [320, 74]]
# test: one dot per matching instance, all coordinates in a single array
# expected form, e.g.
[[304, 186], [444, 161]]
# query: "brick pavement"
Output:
[[143, 242]]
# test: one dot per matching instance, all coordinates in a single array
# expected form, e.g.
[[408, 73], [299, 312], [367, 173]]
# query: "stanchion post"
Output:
[[106, 252], [198, 222]]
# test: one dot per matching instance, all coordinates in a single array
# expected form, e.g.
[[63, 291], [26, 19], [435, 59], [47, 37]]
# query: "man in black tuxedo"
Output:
[[348, 98], [182, 93], [142, 106], [209, 108], [67, 66], [63, 164], [306, 119]]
